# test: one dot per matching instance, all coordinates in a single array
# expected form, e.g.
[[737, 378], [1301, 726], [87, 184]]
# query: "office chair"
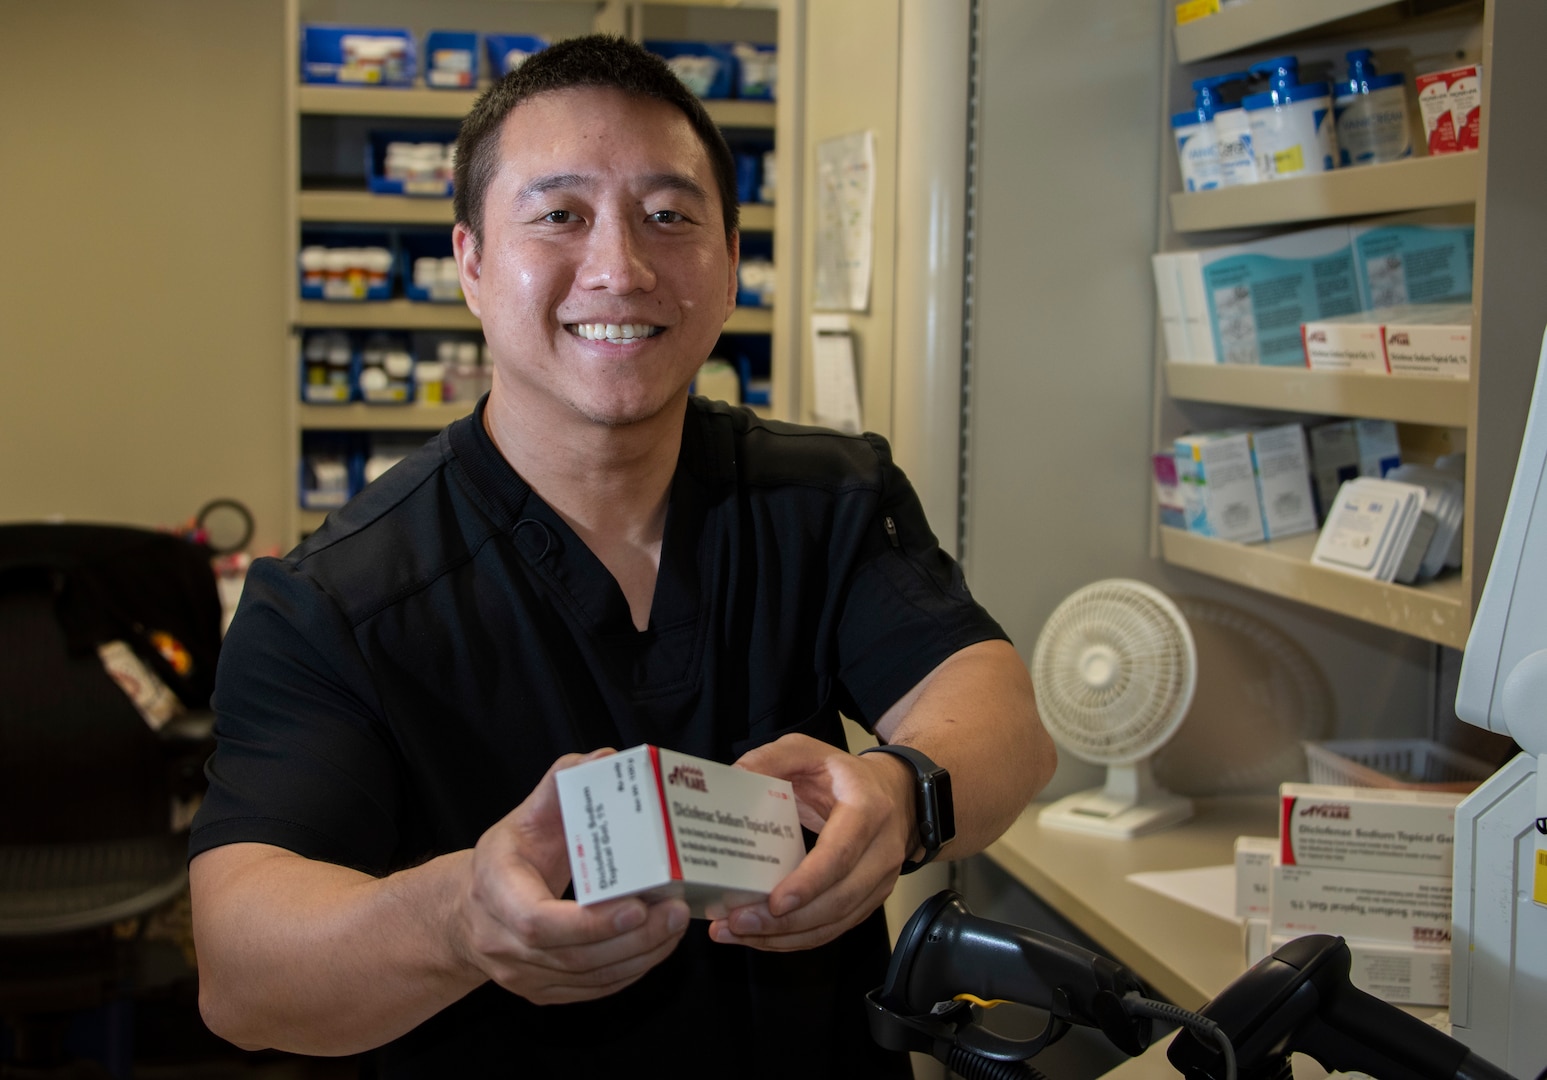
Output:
[[87, 785]]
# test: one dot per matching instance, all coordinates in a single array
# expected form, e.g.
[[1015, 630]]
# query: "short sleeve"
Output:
[[301, 757], [906, 607]]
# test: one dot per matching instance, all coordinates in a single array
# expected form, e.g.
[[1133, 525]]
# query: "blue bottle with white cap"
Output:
[[1370, 114], [1196, 149], [1292, 122]]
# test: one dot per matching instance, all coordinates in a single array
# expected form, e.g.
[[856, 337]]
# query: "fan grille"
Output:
[[1113, 671]]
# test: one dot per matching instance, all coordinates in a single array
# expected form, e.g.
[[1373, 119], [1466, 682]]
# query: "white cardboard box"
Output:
[[1254, 859], [1361, 828], [657, 823], [1344, 343], [1400, 909], [1219, 486], [1400, 974], [1430, 339], [1283, 472]]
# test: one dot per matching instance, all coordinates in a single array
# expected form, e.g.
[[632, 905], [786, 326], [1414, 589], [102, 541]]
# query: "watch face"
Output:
[[945, 806]]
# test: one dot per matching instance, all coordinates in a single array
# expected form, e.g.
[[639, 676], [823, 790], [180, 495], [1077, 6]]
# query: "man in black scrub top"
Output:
[[592, 560]]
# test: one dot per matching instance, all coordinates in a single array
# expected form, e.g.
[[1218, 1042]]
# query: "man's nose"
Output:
[[617, 258]]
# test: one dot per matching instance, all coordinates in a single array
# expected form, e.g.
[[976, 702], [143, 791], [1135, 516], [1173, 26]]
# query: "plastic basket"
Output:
[[1393, 763]]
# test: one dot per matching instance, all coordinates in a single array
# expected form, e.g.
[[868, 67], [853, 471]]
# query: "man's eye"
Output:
[[559, 217], [667, 217]]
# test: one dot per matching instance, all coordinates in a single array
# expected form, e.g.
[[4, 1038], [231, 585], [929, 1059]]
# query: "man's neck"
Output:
[[610, 484]]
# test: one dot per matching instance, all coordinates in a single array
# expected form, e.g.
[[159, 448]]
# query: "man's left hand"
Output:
[[862, 812]]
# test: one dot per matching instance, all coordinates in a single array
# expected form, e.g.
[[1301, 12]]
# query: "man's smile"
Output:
[[612, 331]]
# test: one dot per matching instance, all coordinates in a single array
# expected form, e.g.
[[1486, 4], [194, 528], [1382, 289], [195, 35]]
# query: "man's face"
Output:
[[604, 277]]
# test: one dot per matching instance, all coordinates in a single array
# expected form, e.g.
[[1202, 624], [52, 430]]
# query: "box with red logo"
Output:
[[656, 823], [1363, 905], [1390, 830]]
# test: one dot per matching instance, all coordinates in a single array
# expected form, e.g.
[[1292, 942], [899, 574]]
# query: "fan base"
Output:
[[1097, 813]]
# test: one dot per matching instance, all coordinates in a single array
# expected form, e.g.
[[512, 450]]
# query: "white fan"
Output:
[[1114, 671]]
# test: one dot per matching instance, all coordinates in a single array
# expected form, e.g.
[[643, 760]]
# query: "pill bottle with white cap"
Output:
[[1370, 111]]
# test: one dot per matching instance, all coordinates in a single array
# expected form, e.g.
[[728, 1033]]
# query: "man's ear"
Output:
[[735, 253], [464, 246]]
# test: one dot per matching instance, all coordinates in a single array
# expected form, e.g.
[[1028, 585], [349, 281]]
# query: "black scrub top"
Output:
[[405, 677]]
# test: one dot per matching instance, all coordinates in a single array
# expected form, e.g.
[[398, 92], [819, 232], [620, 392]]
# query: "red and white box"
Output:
[[1389, 830], [1400, 909], [1451, 105], [656, 824]]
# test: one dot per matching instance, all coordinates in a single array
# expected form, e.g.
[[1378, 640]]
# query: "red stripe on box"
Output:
[[671, 836]]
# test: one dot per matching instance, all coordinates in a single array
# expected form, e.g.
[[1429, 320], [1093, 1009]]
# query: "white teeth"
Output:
[[615, 331]]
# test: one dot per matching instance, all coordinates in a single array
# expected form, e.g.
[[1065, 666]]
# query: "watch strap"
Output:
[[923, 766]]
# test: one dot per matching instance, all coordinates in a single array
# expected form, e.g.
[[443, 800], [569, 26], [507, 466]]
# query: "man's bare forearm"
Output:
[[976, 715], [319, 959]]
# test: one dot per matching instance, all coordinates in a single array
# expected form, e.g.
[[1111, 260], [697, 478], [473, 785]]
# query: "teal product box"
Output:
[[1413, 263], [509, 51], [1219, 486], [451, 59], [1283, 473], [1258, 294]]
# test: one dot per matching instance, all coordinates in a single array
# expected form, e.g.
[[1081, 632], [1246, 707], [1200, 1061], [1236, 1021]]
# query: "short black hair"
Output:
[[595, 60]]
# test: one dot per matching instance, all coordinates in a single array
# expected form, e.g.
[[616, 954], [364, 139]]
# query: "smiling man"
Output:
[[593, 559]]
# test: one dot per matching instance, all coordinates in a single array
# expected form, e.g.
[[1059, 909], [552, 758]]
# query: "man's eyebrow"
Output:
[[555, 182], [662, 181], [675, 182]]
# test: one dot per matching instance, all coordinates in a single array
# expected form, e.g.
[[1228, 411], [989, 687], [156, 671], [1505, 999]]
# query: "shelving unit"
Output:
[[1501, 181], [348, 206]]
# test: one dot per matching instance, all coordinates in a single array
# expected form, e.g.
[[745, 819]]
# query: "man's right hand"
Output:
[[321, 959], [518, 933]]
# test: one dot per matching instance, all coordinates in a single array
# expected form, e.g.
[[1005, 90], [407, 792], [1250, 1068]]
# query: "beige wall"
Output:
[[142, 296]]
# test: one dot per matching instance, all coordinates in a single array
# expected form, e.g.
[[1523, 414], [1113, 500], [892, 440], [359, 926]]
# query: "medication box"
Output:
[[1400, 974], [1259, 294], [1283, 473], [1219, 488], [1334, 460], [1344, 343], [1254, 859], [1401, 909], [1430, 339], [656, 823], [1356, 828], [1413, 263]]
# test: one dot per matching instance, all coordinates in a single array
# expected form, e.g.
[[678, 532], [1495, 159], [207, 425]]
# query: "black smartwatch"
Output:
[[931, 799]]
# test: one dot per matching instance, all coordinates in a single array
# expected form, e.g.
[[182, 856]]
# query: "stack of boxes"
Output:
[[1371, 865]]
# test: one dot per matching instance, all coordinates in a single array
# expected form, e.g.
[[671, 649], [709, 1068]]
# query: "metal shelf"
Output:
[[420, 103], [385, 315], [1259, 22], [364, 207], [1405, 399], [358, 416], [1414, 184], [1438, 611]]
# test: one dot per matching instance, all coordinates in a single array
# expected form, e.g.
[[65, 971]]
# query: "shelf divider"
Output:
[[1412, 184], [1438, 611], [1404, 398]]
